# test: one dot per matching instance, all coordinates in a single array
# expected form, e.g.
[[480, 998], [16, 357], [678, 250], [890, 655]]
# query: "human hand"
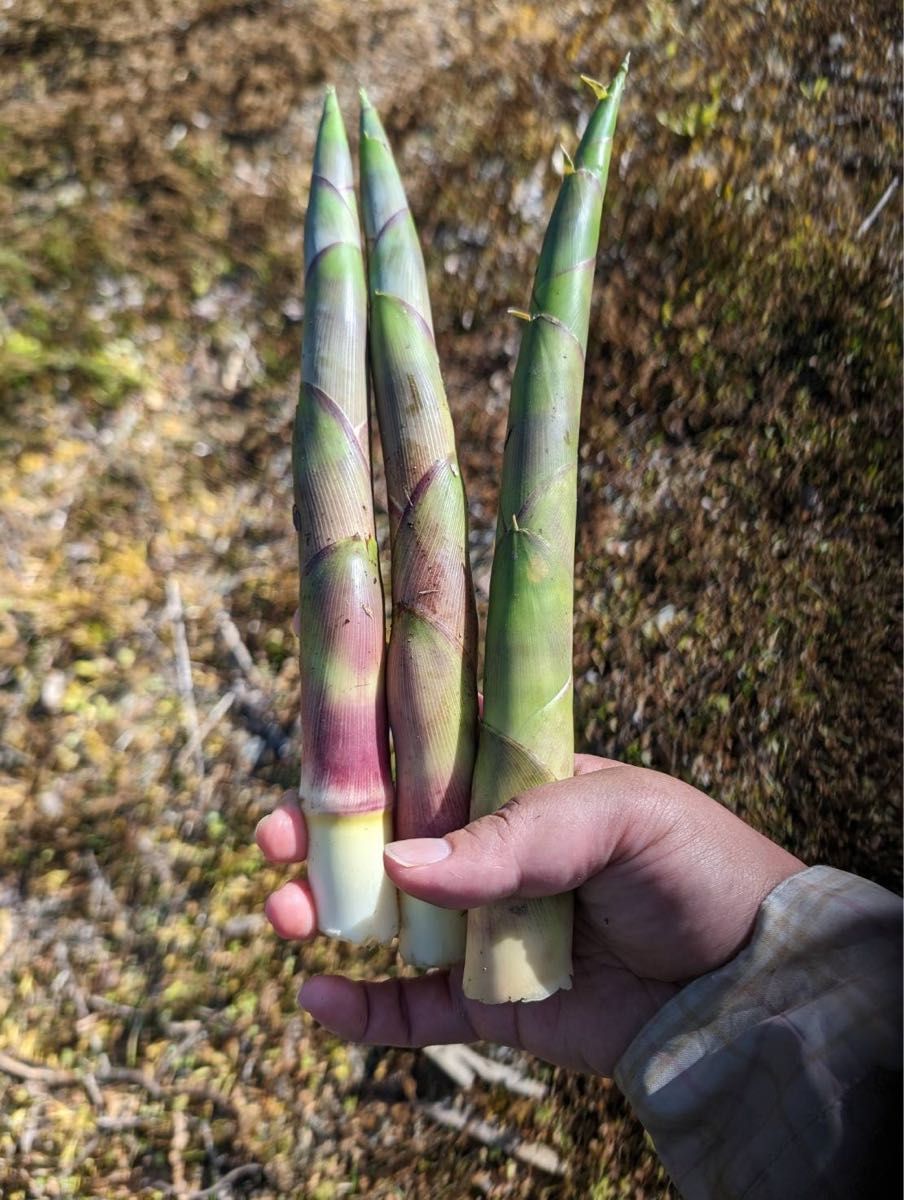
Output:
[[668, 884]]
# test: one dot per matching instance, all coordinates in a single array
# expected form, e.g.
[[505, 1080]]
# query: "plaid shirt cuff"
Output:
[[778, 1075]]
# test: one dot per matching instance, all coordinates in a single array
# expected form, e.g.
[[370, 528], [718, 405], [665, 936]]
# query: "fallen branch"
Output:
[[532, 1154], [253, 713], [252, 694], [184, 680], [240, 652], [463, 1064], [34, 1073], [128, 1075], [196, 742], [53, 1077], [179, 1143], [224, 1184], [125, 1124], [871, 218]]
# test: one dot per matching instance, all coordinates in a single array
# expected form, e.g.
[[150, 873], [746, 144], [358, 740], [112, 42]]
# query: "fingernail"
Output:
[[418, 852], [271, 821]]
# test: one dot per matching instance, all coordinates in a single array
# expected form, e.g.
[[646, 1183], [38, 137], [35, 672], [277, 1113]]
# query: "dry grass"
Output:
[[738, 611]]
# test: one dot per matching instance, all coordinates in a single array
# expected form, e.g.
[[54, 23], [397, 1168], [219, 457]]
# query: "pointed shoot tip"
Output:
[[599, 89], [619, 81], [519, 313], [371, 128]]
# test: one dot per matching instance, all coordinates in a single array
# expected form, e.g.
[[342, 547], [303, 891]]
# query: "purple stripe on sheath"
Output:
[[388, 223], [322, 251], [334, 188], [326, 401], [410, 309]]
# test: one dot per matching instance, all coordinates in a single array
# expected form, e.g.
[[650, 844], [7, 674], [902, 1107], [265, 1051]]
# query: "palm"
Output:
[[588, 1027]]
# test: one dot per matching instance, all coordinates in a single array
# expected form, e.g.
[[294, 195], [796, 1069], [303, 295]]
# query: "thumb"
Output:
[[543, 842]]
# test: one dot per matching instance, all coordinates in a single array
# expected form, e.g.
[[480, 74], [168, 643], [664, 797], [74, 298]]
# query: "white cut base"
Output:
[[519, 950], [431, 936], [355, 899]]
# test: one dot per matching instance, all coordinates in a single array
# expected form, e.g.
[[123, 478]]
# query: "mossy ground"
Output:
[[738, 614]]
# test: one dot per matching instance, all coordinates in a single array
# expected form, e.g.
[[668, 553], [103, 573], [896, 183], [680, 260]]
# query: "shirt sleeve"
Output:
[[779, 1075]]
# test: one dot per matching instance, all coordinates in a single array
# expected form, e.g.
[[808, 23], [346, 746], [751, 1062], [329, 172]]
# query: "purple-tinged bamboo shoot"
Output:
[[431, 670], [346, 786]]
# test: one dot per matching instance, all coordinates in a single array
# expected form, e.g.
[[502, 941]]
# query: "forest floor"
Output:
[[739, 554]]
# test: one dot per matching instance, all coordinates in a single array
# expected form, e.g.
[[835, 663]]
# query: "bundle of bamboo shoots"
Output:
[[514, 952]]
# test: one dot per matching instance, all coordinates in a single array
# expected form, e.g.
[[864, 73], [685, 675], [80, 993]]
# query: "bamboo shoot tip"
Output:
[[599, 89], [519, 313]]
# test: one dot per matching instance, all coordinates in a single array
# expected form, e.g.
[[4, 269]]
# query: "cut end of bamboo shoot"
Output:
[[519, 950], [354, 897], [431, 936]]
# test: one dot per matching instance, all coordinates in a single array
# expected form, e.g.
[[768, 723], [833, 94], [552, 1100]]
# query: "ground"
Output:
[[738, 581]]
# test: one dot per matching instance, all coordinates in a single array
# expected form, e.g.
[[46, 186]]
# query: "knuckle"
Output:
[[514, 815], [501, 834]]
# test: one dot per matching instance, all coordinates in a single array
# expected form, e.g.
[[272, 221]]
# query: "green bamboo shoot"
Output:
[[431, 668], [522, 951], [346, 785]]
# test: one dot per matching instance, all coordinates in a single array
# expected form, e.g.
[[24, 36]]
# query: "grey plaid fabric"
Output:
[[777, 1077]]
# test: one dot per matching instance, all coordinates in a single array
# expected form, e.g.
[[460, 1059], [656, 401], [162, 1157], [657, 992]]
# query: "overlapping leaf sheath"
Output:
[[431, 681], [522, 951], [346, 788]]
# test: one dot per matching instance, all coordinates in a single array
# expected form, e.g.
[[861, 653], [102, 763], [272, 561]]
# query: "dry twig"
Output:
[[179, 1143], [463, 1064], [533, 1154], [184, 680], [240, 652], [35, 1073], [870, 219], [207, 726], [222, 1186]]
